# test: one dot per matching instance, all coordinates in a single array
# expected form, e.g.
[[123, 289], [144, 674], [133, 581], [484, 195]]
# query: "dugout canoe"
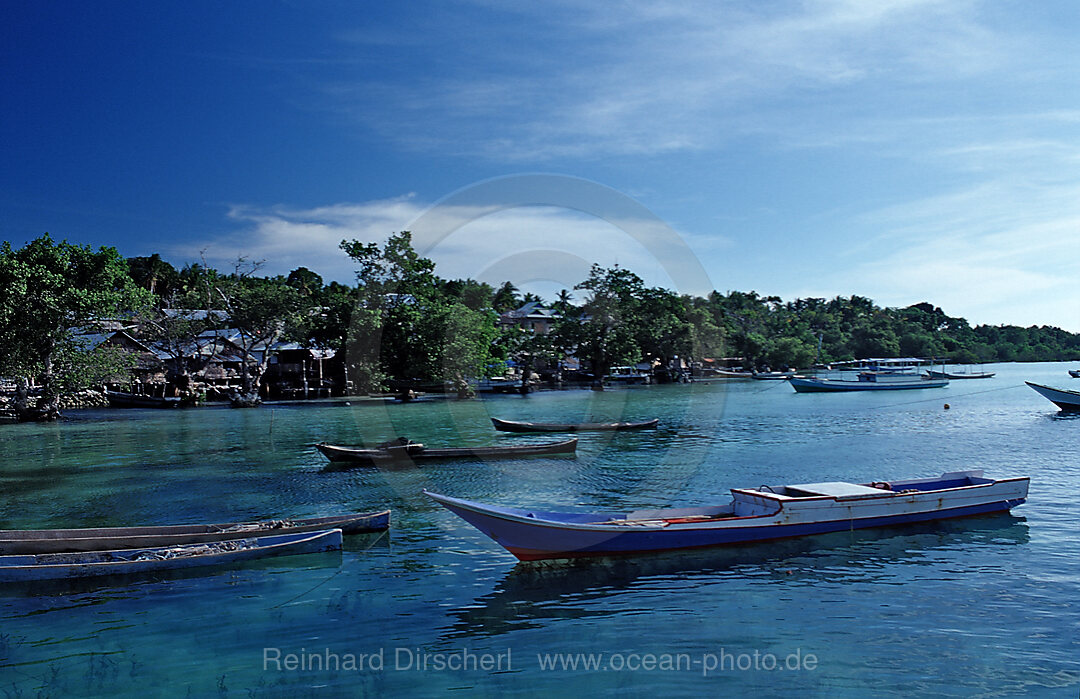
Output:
[[41, 541], [511, 426], [418, 452], [84, 564]]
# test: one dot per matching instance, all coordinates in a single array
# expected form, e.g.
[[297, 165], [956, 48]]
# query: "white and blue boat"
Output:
[[873, 375], [754, 514]]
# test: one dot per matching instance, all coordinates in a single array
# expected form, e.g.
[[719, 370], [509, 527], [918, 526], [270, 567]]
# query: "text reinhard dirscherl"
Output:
[[466, 660]]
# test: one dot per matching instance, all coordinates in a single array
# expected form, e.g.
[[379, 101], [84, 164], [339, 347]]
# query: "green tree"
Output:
[[51, 290], [260, 310]]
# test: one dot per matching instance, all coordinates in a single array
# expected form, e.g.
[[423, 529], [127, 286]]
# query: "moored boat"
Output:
[[773, 375], [626, 376], [411, 451], [57, 566], [34, 541], [754, 514], [866, 381], [1066, 400], [960, 374], [511, 426], [119, 399]]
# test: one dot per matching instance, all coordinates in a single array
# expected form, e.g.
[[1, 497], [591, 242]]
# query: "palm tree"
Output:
[[506, 298]]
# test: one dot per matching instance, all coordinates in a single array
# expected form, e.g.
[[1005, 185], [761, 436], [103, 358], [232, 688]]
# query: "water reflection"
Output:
[[531, 595]]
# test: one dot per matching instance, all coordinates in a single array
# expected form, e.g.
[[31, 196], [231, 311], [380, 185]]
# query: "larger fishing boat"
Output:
[[754, 514], [872, 375]]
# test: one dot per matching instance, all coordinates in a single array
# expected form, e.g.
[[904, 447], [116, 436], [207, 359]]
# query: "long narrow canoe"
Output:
[[57, 566], [1066, 400], [511, 426], [752, 514], [418, 452], [118, 399], [35, 541]]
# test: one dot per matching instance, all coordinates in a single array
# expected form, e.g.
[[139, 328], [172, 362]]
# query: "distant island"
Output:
[[73, 318]]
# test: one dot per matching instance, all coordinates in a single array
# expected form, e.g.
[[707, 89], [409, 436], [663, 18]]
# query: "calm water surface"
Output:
[[986, 606]]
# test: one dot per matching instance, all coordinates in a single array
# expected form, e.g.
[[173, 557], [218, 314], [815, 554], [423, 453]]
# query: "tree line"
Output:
[[400, 321]]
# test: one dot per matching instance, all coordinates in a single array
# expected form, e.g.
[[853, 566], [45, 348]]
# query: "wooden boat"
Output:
[[412, 451], [54, 566], [772, 375], [118, 399], [511, 426], [34, 541], [960, 374], [866, 381], [1066, 400], [754, 514], [1075, 373]]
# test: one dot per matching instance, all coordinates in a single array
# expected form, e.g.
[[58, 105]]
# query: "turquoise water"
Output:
[[986, 606]]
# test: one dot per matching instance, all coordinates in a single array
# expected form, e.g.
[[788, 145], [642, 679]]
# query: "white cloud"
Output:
[[537, 247]]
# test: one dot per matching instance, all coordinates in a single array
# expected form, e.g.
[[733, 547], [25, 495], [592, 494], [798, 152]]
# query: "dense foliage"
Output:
[[402, 322]]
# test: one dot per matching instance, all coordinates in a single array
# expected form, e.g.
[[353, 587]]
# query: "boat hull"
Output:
[[1066, 400], [64, 566], [523, 427], [812, 385], [341, 454], [534, 536], [114, 538]]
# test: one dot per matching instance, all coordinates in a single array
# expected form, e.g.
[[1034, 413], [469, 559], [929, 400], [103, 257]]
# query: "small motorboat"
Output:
[[511, 426], [773, 375], [754, 514], [406, 451], [1075, 373], [1064, 399], [62, 566], [960, 374], [34, 541]]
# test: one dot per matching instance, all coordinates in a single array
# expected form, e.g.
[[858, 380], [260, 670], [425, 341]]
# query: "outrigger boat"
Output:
[[511, 426], [1066, 400], [405, 451], [754, 514], [56, 566], [34, 541]]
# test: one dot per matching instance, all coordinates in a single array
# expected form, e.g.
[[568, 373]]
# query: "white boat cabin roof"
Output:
[[835, 489]]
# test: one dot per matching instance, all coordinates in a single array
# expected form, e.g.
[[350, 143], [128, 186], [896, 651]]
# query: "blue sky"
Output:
[[905, 150]]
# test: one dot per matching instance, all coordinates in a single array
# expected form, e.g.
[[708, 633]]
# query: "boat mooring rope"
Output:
[[962, 395]]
